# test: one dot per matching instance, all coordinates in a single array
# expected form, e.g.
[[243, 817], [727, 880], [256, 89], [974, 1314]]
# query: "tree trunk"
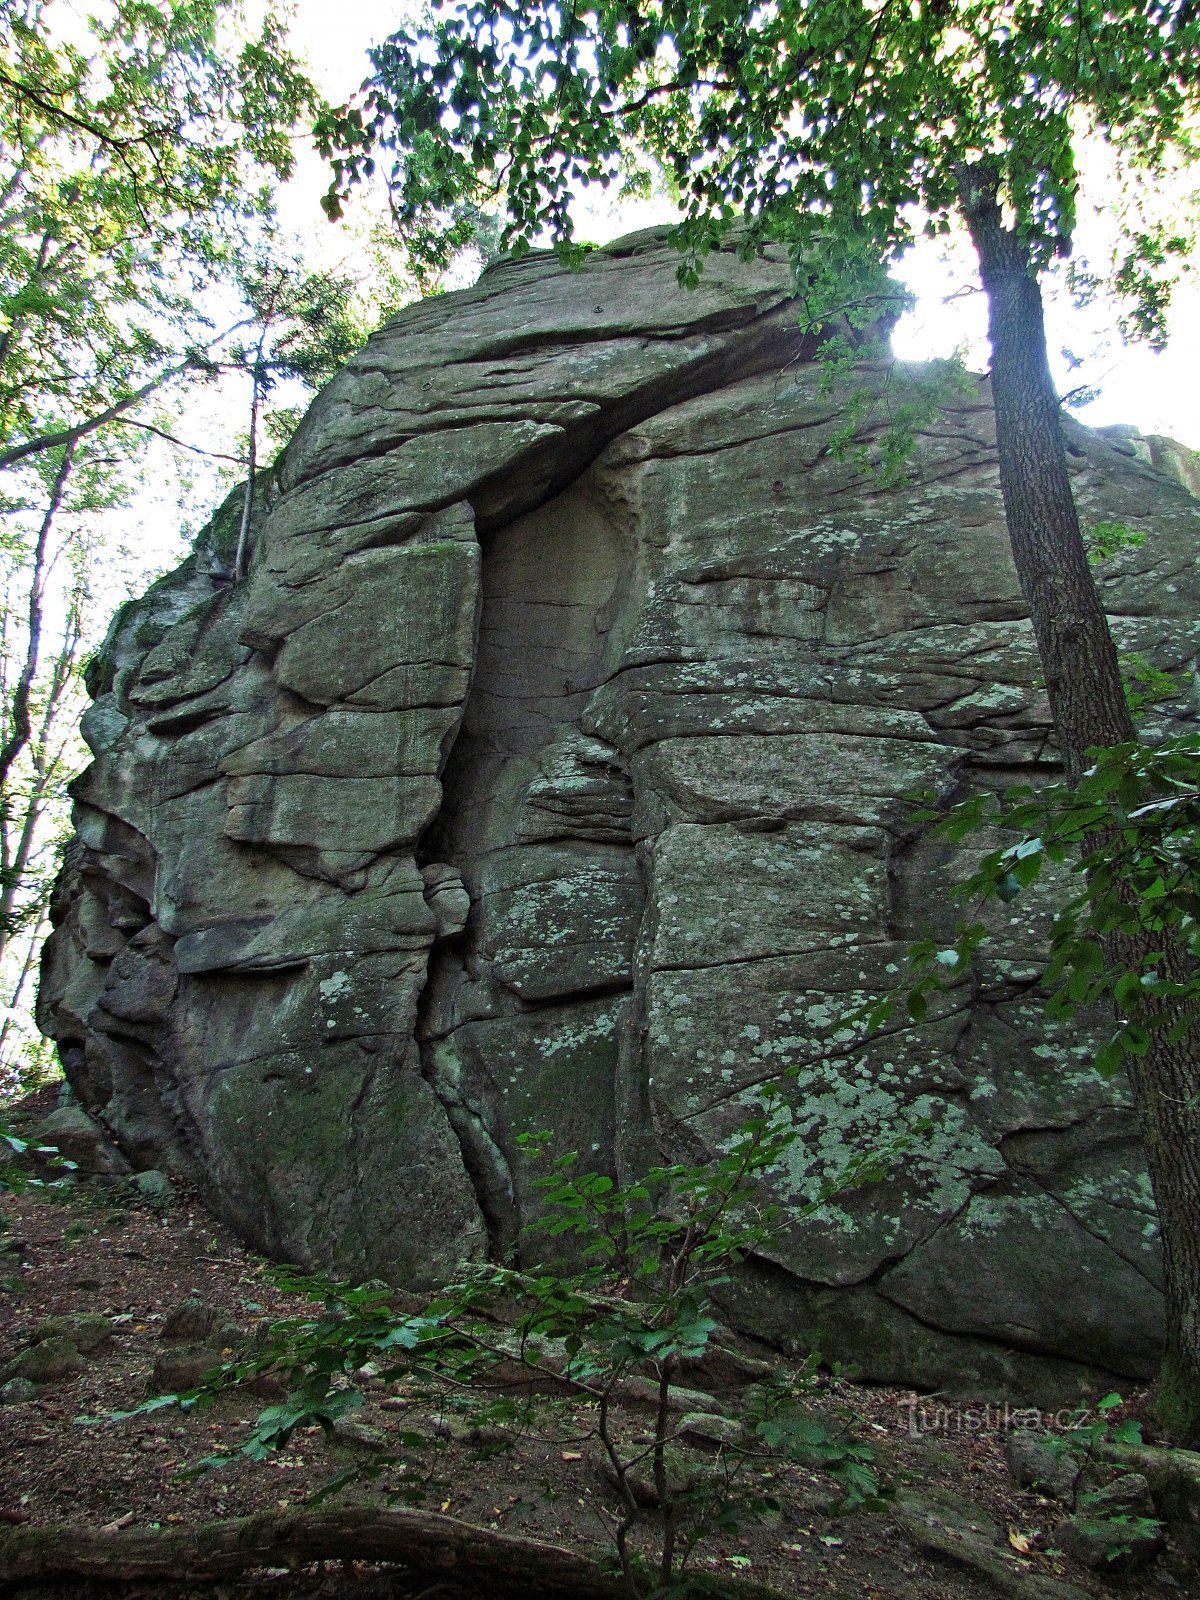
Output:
[[442, 1549], [241, 560], [32, 951], [14, 861], [1079, 661], [422, 1541], [1087, 701], [1167, 1090], [19, 723]]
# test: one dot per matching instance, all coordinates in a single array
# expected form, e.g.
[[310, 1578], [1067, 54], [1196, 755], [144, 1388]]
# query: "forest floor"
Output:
[[91, 1249]]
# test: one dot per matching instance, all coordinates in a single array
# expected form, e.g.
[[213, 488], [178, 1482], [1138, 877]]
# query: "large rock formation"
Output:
[[548, 771]]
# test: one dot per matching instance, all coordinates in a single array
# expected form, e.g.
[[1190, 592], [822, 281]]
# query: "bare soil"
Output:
[[93, 1249]]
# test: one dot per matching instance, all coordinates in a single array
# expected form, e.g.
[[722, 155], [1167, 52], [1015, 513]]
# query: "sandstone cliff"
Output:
[[547, 771]]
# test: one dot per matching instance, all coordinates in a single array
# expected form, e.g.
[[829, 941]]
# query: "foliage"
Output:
[[47, 566], [1119, 1528], [1121, 1531], [135, 152], [1082, 1446], [140, 150], [630, 1301], [840, 128], [1105, 539], [1096, 1428], [16, 1155], [879, 423], [303, 327], [311, 319], [137, 147], [1129, 837]]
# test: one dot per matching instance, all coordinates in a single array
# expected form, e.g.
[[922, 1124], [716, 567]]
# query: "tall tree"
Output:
[[135, 152], [842, 128], [141, 146], [48, 555], [303, 326], [57, 581]]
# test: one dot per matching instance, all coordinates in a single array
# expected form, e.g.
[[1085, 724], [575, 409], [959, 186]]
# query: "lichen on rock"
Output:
[[548, 771]]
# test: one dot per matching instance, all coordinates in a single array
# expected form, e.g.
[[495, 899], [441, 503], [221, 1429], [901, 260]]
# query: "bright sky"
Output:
[[1156, 392]]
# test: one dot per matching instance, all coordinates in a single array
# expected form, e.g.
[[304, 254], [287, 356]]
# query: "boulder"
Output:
[[1114, 1527], [361, 1435], [548, 771], [1173, 1477], [1044, 1462], [47, 1361], [183, 1367], [961, 1533], [192, 1319], [88, 1331], [155, 1188], [710, 1430], [73, 1136]]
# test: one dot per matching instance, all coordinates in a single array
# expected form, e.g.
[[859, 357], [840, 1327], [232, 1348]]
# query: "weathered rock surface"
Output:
[[1173, 1477], [547, 772], [1113, 1527], [1044, 1462], [961, 1533], [70, 1135]]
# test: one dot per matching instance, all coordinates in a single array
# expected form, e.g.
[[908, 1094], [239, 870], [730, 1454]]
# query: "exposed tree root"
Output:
[[425, 1544], [421, 1541]]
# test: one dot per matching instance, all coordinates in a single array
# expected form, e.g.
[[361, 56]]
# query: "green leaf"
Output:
[[1109, 1058]]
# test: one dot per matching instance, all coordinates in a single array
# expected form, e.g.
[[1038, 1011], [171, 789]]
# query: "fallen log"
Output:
[[422, 1541]]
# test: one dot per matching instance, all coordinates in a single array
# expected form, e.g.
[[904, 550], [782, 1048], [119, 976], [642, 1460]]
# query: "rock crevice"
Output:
[[547, 772]]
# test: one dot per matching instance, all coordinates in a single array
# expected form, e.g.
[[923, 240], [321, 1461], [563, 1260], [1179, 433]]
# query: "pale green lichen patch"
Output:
[[636, 768], [989, 1215]]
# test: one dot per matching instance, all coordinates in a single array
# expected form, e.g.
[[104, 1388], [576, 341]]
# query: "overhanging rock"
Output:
[[548, 771]]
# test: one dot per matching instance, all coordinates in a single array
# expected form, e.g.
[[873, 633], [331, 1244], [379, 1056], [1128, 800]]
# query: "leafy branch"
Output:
[[623, 1305], [1129, 835]]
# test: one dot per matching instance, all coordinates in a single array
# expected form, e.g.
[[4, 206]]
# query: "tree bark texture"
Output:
[[20, 725], [1079, 660], [422, 1541], [241, 560], [1167, 1091], [441, 1549], [1087, 701]]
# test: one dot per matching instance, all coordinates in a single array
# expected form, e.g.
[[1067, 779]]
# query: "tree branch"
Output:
[[161, 433], [25, 91], [72, 435], [422, 1541]]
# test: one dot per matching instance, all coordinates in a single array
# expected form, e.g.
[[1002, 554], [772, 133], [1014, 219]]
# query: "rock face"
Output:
[[548, 771]]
